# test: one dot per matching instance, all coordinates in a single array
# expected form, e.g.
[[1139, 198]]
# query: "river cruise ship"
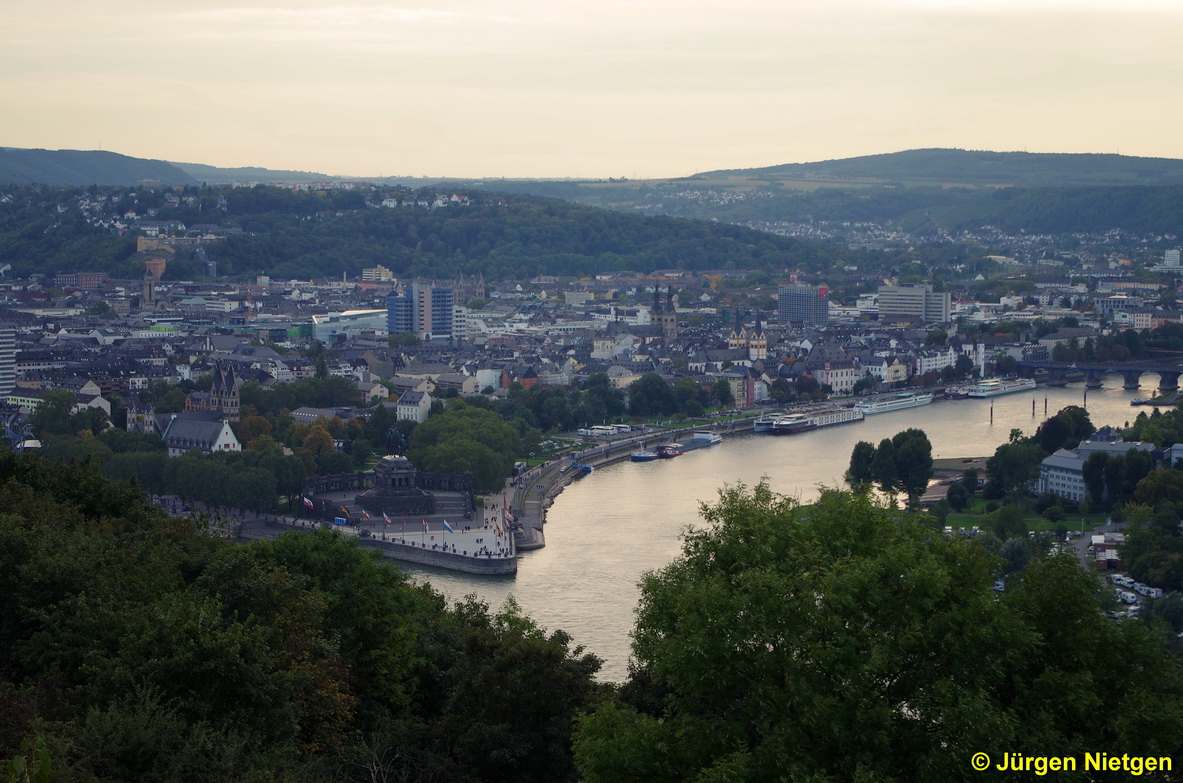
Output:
[[896, 403], [996, 386]]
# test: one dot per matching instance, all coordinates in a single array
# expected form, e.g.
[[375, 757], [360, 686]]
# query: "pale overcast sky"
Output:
[[587, 88]]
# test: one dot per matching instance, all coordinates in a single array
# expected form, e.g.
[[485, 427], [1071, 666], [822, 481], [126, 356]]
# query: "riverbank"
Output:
[[534, 492]]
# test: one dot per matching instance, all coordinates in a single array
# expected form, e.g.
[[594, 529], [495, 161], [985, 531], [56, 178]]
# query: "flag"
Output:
[[497, 530], [509, 518], [365, 514], [385, 517], [345, 509], [425, 526], [309, 504], [448, 527]]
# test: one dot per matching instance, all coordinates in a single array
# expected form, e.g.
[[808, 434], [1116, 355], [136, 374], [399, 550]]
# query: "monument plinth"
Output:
[[396, 490]]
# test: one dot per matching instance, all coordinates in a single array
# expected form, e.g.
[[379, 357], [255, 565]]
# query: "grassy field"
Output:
[[976, 512]]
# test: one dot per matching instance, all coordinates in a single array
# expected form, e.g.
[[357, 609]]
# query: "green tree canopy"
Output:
[[467, 438], [862, 460], [846, 641], [175, 656]]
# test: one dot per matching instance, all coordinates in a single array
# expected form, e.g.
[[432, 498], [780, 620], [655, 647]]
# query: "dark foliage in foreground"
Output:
[[136, 647]]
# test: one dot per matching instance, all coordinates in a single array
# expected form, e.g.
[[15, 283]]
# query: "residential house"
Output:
[[413, 406]]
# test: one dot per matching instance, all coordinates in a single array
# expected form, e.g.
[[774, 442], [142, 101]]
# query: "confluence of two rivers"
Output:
[[604, 531]]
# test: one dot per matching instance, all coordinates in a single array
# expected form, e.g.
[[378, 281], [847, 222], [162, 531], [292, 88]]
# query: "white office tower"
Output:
[[1171, 258], [7, 359]]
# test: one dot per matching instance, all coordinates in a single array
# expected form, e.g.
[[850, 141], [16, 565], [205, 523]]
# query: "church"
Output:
[[223, 396]]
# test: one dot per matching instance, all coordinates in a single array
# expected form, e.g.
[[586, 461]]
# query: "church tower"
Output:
[[757, 341], [663, 313], [224, 396]]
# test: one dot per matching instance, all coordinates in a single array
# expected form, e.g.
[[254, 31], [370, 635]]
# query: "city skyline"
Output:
[[574, 89]]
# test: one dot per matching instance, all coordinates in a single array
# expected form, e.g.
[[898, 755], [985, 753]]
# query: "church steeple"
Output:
[[224, 393]]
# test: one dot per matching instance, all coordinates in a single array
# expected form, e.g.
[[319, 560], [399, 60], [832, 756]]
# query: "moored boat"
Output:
[[643, 456], [701, 439], [996, 386], [792, 424], [764, 422], [669, 450], [896, 403], [835, 416]]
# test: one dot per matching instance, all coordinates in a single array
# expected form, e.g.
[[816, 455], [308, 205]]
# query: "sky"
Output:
[[587, 88]]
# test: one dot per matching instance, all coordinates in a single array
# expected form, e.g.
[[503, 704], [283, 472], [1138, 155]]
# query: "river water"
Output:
[[604, 531]]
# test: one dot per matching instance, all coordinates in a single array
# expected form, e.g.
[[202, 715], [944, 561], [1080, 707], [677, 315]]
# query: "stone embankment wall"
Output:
[[449, 560]]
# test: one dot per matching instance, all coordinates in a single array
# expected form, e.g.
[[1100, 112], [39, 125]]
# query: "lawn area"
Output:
[[976, 513]]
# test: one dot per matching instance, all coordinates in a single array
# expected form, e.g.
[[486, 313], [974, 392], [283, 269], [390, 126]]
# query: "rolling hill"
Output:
[[941, 189], [81, 168], [968, 168]]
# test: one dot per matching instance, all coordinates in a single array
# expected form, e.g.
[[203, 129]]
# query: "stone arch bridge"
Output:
[[1168, 371]]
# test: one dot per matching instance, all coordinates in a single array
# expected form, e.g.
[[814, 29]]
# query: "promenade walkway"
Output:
[[483, 537], [531, 494]]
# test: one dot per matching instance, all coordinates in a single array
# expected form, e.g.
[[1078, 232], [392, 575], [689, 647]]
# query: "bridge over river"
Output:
[[1168, 371]]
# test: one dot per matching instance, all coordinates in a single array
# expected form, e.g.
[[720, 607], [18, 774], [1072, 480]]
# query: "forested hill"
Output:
[[976, 168], [84, 167], [1097, 209], [299, 234]]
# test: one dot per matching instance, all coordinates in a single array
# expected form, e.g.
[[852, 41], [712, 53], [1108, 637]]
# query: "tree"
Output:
[[883, 467], [317, 444], [862, 459], [1093, 474], [969, 479], [781, 391], [957, 496], [848, 641], [404, 340], [651, 395], [1014, 465], [1066, 429], [721, 391], [52, 415], [912, 452]]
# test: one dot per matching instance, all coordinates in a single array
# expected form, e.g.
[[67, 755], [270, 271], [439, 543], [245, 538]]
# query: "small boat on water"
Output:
[[643, 456], [669, 450]]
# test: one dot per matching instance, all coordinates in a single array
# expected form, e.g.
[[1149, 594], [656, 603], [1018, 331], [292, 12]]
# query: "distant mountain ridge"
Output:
[[84, 167], [81, 168], [974, 168], [921, 167]]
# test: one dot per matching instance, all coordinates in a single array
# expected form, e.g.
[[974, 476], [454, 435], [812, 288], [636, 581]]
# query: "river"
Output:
[[604, 531]]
